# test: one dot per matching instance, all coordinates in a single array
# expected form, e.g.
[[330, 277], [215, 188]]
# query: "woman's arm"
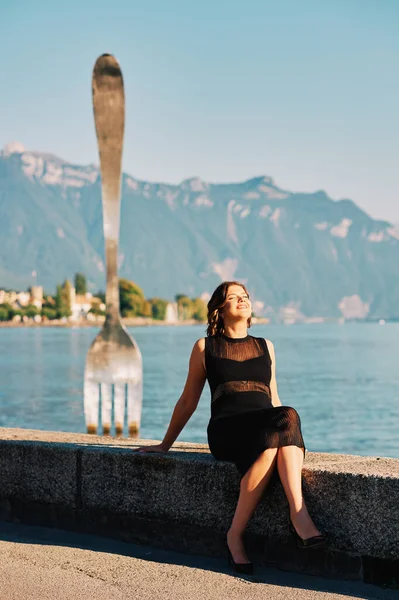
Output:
[[187, 402], [273, 383], [189, 399]]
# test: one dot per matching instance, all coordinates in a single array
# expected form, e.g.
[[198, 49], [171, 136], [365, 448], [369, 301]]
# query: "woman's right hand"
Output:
[[156, 448]]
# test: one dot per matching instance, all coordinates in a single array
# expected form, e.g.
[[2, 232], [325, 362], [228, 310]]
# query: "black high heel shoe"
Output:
[[317, 541], [244, 568]]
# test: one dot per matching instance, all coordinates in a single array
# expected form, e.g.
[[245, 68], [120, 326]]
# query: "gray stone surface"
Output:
[[42, 564], [39, 472], [187, 493]]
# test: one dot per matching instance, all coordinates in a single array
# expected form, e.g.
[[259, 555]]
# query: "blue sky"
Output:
[[304, 91]]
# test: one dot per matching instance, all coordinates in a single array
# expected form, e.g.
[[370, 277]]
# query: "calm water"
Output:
[[342, 379]]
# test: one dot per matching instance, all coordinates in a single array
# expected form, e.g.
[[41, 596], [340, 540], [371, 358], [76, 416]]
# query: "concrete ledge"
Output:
[[185, 500]]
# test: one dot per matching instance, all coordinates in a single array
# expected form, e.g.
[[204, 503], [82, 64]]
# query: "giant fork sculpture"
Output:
[[114, 361]]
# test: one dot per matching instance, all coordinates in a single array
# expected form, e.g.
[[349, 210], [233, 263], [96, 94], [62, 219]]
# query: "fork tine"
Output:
[[119, 406], [106, 407], [91, 398], [134, 405]]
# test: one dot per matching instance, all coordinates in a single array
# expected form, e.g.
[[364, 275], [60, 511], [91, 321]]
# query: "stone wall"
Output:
[[185, 500]]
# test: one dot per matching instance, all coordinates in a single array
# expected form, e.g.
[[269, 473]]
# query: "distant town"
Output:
[[73, 304]]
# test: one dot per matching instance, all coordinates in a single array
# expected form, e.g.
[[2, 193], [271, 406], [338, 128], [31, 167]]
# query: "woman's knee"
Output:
[[268, 457], [292, 416]]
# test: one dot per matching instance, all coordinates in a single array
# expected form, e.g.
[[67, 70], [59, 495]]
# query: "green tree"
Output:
[[147, 309], [80, 284], [184, 306], [131, 298], [63, 299], [58, 298], [158, 308], [7, 312], [31, 311], [49, 313], [4, 313], [199, 309]]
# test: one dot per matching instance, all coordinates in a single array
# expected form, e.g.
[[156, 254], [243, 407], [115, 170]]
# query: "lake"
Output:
[[342, 379]]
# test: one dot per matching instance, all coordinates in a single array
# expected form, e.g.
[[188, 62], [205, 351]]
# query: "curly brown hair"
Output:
[[217, 301]]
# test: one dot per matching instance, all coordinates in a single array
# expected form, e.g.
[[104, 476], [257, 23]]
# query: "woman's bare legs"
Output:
[[252, 486], [289, 466], [289, 461]]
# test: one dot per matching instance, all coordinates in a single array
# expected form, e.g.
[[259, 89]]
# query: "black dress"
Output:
[[243, 420]]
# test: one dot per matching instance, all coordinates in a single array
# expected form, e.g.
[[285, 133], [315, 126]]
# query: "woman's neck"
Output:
[[236, 332]]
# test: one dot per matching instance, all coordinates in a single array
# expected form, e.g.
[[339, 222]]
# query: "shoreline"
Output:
[[146, 322], [132, 322], [139, 322]]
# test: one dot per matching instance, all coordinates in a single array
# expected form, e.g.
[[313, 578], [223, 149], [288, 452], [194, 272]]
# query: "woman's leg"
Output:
[[252, 487], [289, 466]]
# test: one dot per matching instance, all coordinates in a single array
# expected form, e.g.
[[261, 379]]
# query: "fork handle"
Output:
[[109, 117]]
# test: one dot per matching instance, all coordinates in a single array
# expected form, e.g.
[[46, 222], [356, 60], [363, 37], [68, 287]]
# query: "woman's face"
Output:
[[237, 304]]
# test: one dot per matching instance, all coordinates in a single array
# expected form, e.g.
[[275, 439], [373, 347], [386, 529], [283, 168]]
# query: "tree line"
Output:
[[133, 303]]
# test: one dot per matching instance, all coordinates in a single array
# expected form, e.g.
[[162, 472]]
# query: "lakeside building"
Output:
[[172, 313], [81, 305], [37, 296], [20, 299]]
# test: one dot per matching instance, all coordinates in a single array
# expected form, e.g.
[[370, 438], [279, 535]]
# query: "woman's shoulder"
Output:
[[199, 349], [200, 344], [204, 344], [268, 343]]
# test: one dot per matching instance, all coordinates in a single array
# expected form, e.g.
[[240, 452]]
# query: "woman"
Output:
[[248, 424]]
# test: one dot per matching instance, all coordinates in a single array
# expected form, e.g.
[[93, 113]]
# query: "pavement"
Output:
[[49, 564]]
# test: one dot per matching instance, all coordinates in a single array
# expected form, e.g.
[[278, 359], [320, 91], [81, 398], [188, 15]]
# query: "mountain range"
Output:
[[300, 254]]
